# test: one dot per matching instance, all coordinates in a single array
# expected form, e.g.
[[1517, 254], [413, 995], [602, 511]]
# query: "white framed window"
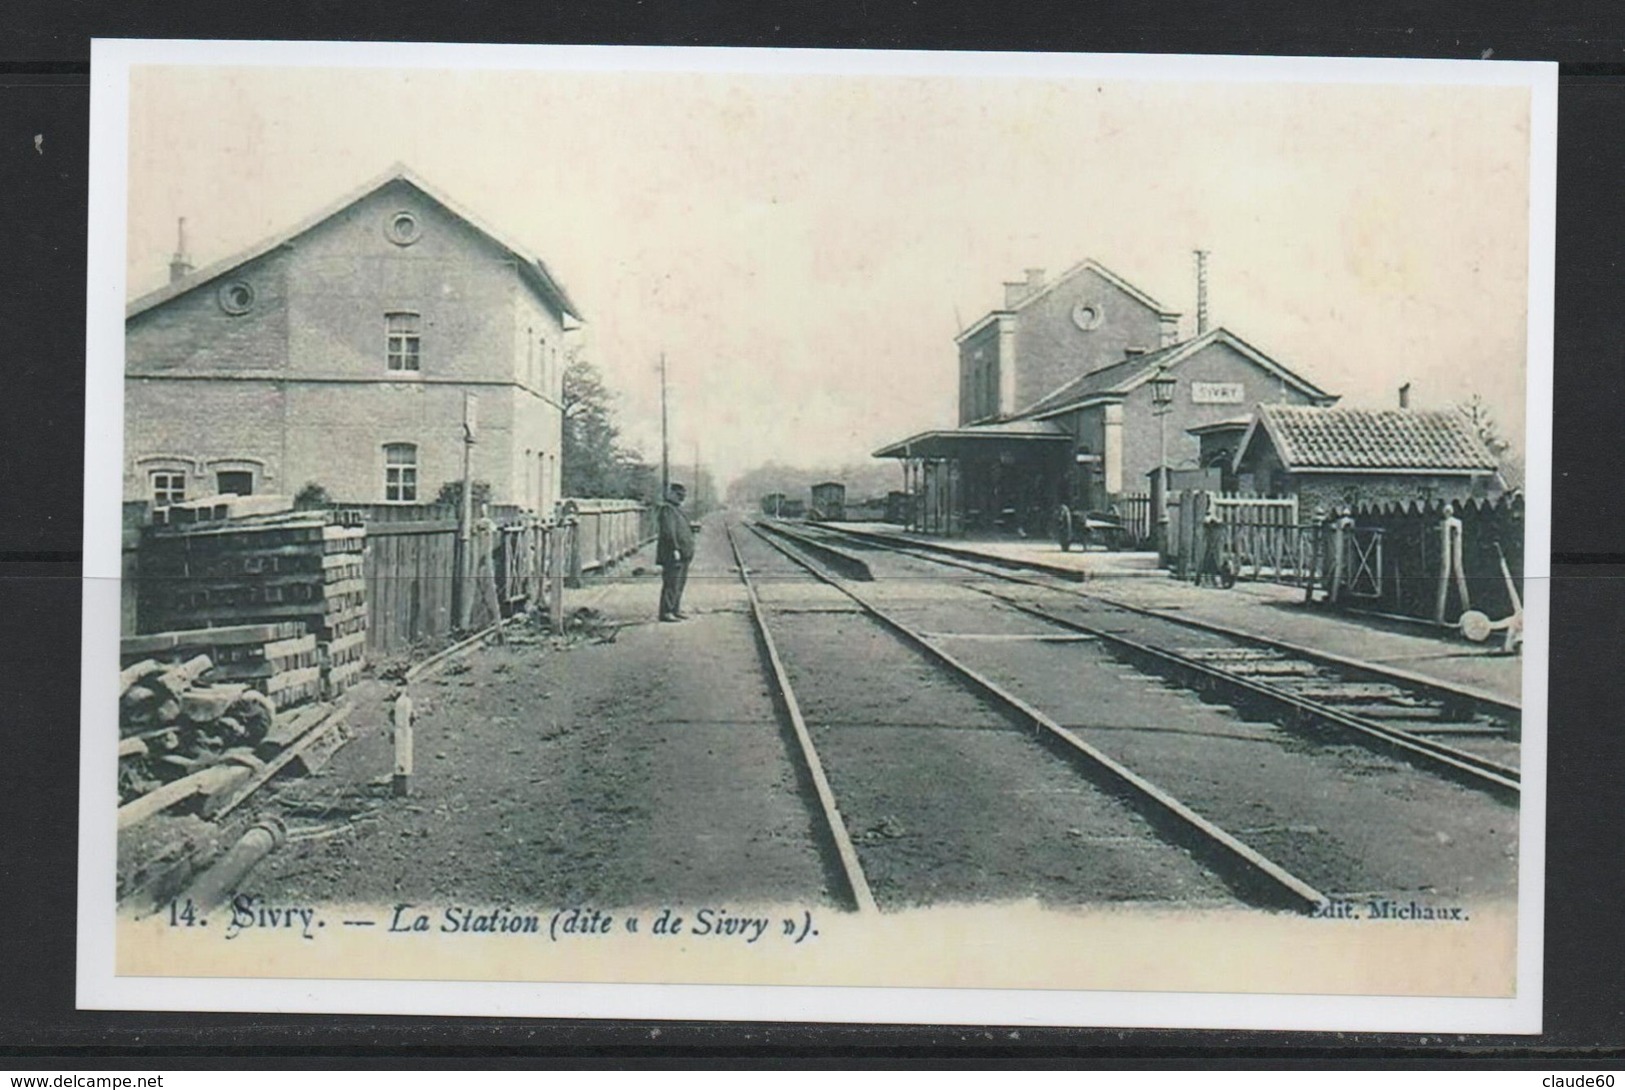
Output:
[[400, 473], [168, 486], [402, 340]]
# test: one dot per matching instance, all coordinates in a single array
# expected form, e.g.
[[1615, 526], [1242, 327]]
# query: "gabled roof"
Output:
[[1088, 264], [533, 267], [1123, 377], [1313, 439]]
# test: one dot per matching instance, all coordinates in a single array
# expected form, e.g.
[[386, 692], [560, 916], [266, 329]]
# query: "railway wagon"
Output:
[[793, 509], [828, 501], [773, 504]]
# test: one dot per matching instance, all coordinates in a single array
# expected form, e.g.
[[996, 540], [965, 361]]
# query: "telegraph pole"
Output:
[[665, 442]]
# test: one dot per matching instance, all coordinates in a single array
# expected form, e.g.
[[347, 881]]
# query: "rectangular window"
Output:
[[400, 473], [401, 340], [168, 487], [239, 482]]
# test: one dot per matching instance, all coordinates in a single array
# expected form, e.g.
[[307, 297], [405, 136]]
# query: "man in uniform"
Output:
[[673, 553]]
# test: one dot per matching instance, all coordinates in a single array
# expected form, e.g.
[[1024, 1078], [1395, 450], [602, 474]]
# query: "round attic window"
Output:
[[403, 229], [237, 297], [1086, 316]]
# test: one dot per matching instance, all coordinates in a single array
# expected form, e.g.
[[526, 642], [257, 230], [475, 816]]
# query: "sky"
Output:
[[804, 248]]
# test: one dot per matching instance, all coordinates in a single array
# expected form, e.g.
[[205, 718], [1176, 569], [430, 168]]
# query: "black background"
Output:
[[44, 64]]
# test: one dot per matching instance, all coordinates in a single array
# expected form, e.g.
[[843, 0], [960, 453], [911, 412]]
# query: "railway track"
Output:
[[1388, 710], [1246, 872]]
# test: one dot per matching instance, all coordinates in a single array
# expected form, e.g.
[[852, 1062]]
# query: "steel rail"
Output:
[[1457, 764], [1247, 869], [863, 899], [1455, 695]]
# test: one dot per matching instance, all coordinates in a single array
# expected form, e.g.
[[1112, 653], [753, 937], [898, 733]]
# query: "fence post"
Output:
[[555, 594], [1340, 546], [1450, 564], [401, 721]]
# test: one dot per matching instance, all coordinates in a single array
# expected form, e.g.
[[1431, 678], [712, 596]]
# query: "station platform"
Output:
[[1267, 610], [1038, 555]]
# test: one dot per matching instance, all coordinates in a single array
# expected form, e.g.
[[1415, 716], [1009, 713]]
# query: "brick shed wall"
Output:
[[1329, 491]]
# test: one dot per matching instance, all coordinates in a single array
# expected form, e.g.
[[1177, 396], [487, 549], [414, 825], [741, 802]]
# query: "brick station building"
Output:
[[341, 352], [1056, 406]]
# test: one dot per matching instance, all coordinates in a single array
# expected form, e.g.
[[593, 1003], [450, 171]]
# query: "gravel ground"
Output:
[[945, 798], [647, 770], [1342, 817], [649, 765], [1169, 633]]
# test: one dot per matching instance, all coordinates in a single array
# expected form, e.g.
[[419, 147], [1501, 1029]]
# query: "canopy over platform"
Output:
[[984, 439]]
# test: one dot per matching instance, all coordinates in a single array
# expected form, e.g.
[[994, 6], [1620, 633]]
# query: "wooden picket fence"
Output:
[[1262, 533], [1134, 508], [1390, 558]]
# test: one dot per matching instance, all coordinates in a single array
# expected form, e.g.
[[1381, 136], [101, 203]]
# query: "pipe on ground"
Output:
[[220, 881]]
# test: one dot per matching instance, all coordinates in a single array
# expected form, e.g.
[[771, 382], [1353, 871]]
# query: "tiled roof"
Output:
[[1306, 437], [1105, 380], [1123, 376]]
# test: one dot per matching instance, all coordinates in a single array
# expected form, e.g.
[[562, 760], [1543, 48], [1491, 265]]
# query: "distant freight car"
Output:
[[829, 501], [773, 504], [794, 509]]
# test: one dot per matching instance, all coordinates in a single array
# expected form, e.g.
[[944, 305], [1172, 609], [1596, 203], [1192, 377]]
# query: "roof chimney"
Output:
[[1017, 290], [180, 265], [1405, 396], [1201, 292]]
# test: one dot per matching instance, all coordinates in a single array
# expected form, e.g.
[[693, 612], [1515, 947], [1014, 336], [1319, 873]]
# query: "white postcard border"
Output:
[[99, 988]]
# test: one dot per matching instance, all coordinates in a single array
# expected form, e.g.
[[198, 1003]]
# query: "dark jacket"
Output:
[[676, 544]]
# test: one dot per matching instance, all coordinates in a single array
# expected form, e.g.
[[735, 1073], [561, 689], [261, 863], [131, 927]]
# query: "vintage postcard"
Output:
[[817, 536]]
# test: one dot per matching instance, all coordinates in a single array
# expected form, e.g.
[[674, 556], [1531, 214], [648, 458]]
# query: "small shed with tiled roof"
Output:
[[1329, 456]]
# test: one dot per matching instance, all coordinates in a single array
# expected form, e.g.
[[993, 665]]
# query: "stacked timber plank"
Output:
[[281, 660], [182, 736], [294, 567], [172, 724]]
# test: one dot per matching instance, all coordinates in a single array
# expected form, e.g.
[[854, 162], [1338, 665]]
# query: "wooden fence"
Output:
[[416, 579], [606, 531], [411, 574], [1261, 532], [1134, 508], [413, 567], [1391, 558], [1413, 556]]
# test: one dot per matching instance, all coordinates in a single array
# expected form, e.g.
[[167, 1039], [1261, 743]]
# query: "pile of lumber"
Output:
[[182, 738], [167, 834], [280, 660], [172, 723], [260, 568], [228, 505]]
